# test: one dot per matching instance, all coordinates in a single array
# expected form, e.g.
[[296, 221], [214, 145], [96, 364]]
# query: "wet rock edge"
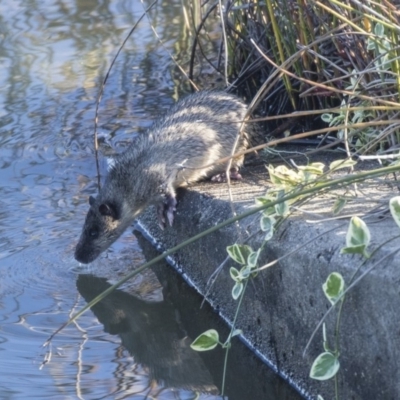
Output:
[[285, 302]]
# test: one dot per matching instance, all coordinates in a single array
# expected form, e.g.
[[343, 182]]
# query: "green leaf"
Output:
[[269, 211], [237, 290], [267, 223], [268, 236], [244, 273], [206, 341], [282, 175], [233, 334], [386, 65], [358, 144], [253, 258], [282, 208], [370, 44], [274, 178], [316, 168], [394, 205], [382, 51], [357, 233], [235, 274], [333, 287], [263, 201], [239, 253], [354, 250], [236, 332], [325, 367], [326, 118], [379, 30], [339, 204], [340, 164]]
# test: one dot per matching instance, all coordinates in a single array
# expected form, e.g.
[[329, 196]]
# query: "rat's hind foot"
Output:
[[233, 174], [166, 209]]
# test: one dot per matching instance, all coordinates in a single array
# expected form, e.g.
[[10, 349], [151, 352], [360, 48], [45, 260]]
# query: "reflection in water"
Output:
[[150, 331], [53, 56]]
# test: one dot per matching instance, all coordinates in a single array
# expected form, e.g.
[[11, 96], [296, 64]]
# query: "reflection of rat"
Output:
[[153, 335], [197, 131]]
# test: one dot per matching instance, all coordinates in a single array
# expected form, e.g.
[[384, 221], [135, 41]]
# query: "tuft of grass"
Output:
[[326, 54]]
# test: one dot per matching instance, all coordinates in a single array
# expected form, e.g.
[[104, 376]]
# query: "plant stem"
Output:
[[348, 179], [230, 335]]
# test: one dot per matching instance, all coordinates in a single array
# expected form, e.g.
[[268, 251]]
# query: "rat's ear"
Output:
[[108, 210], [91, 200]]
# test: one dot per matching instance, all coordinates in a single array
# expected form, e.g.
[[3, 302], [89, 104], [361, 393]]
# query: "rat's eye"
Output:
[[94, 233]]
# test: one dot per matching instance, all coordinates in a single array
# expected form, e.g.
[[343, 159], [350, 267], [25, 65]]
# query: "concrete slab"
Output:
[[284, 303]]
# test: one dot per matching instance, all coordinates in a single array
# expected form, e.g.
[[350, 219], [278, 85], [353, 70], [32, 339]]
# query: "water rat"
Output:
[[197, 131]]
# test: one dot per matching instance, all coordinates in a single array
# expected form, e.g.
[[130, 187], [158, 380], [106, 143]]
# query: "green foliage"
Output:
[[333, 287], [325, 367], [282, 209], [324, 52], [239, 253], [394, 206], [252, 259], [267, 223], [208, 340], [237, 290], [382, 46], [347, 116], [290, 182], [285, 178], [341, 164], [338, 206], [357, 238], [248, 258]]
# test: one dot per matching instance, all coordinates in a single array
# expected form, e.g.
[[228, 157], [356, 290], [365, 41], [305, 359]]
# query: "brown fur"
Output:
[[196, 132]]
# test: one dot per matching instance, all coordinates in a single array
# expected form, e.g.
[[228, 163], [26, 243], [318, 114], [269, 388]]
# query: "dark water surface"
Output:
[[53, 57]]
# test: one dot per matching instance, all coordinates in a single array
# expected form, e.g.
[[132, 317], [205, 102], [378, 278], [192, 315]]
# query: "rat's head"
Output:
[[104, 224]]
